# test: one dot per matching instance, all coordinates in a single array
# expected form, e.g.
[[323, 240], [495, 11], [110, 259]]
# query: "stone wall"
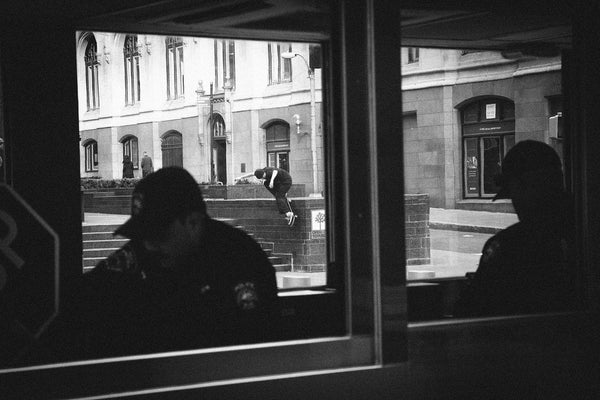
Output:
[[416, 219], [305, 242]]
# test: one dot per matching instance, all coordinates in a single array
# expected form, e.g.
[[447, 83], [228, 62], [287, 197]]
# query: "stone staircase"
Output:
[[99, 243]]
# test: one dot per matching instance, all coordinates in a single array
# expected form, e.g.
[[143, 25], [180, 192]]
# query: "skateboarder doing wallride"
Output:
[[278, 181]]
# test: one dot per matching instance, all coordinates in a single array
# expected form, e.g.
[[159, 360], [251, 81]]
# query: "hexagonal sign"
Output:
[[28, 265]]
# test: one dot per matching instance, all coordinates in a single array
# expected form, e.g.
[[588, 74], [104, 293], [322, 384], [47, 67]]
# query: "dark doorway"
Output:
[[220, 161], [172, 150]]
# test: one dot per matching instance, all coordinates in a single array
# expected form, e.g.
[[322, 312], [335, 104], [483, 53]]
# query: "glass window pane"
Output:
[[221, 138], [456, 134], [491, 163]]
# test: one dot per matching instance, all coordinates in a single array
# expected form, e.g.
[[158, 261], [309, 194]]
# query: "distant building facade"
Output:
[[463, 110], [219, 108], [222, 108]]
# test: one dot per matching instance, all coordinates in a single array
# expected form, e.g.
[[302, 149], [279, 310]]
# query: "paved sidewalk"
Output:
[[470, 221]]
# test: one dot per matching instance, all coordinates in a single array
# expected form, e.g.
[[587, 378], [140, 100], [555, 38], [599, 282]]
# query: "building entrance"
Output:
[[172, 150], [219, 161]]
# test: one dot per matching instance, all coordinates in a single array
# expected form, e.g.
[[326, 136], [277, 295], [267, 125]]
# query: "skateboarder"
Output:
[[278, 181]]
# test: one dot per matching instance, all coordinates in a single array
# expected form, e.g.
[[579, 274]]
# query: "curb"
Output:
[[464, 228]]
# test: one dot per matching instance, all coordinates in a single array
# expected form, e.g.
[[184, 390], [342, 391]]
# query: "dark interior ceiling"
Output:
[[460, 24]]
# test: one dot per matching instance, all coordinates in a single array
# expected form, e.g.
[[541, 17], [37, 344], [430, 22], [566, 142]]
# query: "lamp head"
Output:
[[288, 54]]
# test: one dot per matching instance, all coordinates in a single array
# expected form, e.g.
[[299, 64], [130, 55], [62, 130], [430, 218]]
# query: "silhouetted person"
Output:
[[184, 280], [527, 268], [147, 167], [127, 167]]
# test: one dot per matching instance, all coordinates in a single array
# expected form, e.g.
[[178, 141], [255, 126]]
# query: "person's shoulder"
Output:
[[501, 243]]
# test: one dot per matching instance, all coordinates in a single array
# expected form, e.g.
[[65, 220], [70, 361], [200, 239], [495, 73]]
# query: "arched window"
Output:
[[130, 148], [278, 145], [91, 74], [488, 128], [175, 77], [91, 156], [131, 58], [218, 126], [172, 149]]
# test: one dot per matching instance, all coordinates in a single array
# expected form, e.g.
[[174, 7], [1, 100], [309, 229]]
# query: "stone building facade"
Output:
[[219, 108], [463, 110]]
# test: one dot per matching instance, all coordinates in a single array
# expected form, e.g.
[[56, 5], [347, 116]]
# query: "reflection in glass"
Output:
[[491, 163]]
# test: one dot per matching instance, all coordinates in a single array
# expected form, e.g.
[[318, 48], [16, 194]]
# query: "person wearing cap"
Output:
[[278, 181], [183, 281], [526, 268]]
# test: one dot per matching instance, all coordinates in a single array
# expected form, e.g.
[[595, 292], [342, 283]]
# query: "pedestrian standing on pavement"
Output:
[[278, 181], [127, 167], [526, 268], [184, 281], [147, 167]]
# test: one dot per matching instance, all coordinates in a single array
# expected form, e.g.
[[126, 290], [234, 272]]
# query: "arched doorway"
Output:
[[172, 149], [278, 145], [219, 150]]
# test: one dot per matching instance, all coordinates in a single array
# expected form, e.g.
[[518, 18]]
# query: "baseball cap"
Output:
[[524, 157], [158, 200]]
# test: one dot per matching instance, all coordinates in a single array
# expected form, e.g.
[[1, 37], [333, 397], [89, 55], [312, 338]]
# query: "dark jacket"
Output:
[[283, 178], [127, 168], [525, 268], [226, 294]]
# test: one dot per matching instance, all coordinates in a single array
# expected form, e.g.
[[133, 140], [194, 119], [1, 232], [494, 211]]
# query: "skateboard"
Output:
[[292, 219]]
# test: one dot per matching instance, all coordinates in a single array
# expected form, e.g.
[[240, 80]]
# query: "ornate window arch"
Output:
[[218, 126], [91, 73], [131, 58], [91, 155]]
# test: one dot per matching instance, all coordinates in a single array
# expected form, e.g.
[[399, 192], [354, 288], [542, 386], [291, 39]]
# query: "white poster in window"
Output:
[[490, 111]]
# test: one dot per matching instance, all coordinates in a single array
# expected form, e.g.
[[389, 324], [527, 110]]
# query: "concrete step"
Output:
[[275, 259], [100, 236], [99, 228], [90, 262], [99, 252], [282, 267], [104, 243]]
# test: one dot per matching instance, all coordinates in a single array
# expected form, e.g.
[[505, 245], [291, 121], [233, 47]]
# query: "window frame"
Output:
[[275, 152], [131, 60], [224, 60], [412, 55], [91, 155], [91, 64], [279, 68], [129, 144], [479, 104], [372, 337], [175, 67]]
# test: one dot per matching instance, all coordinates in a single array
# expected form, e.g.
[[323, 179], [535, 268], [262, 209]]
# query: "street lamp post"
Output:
[[313, 121]]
